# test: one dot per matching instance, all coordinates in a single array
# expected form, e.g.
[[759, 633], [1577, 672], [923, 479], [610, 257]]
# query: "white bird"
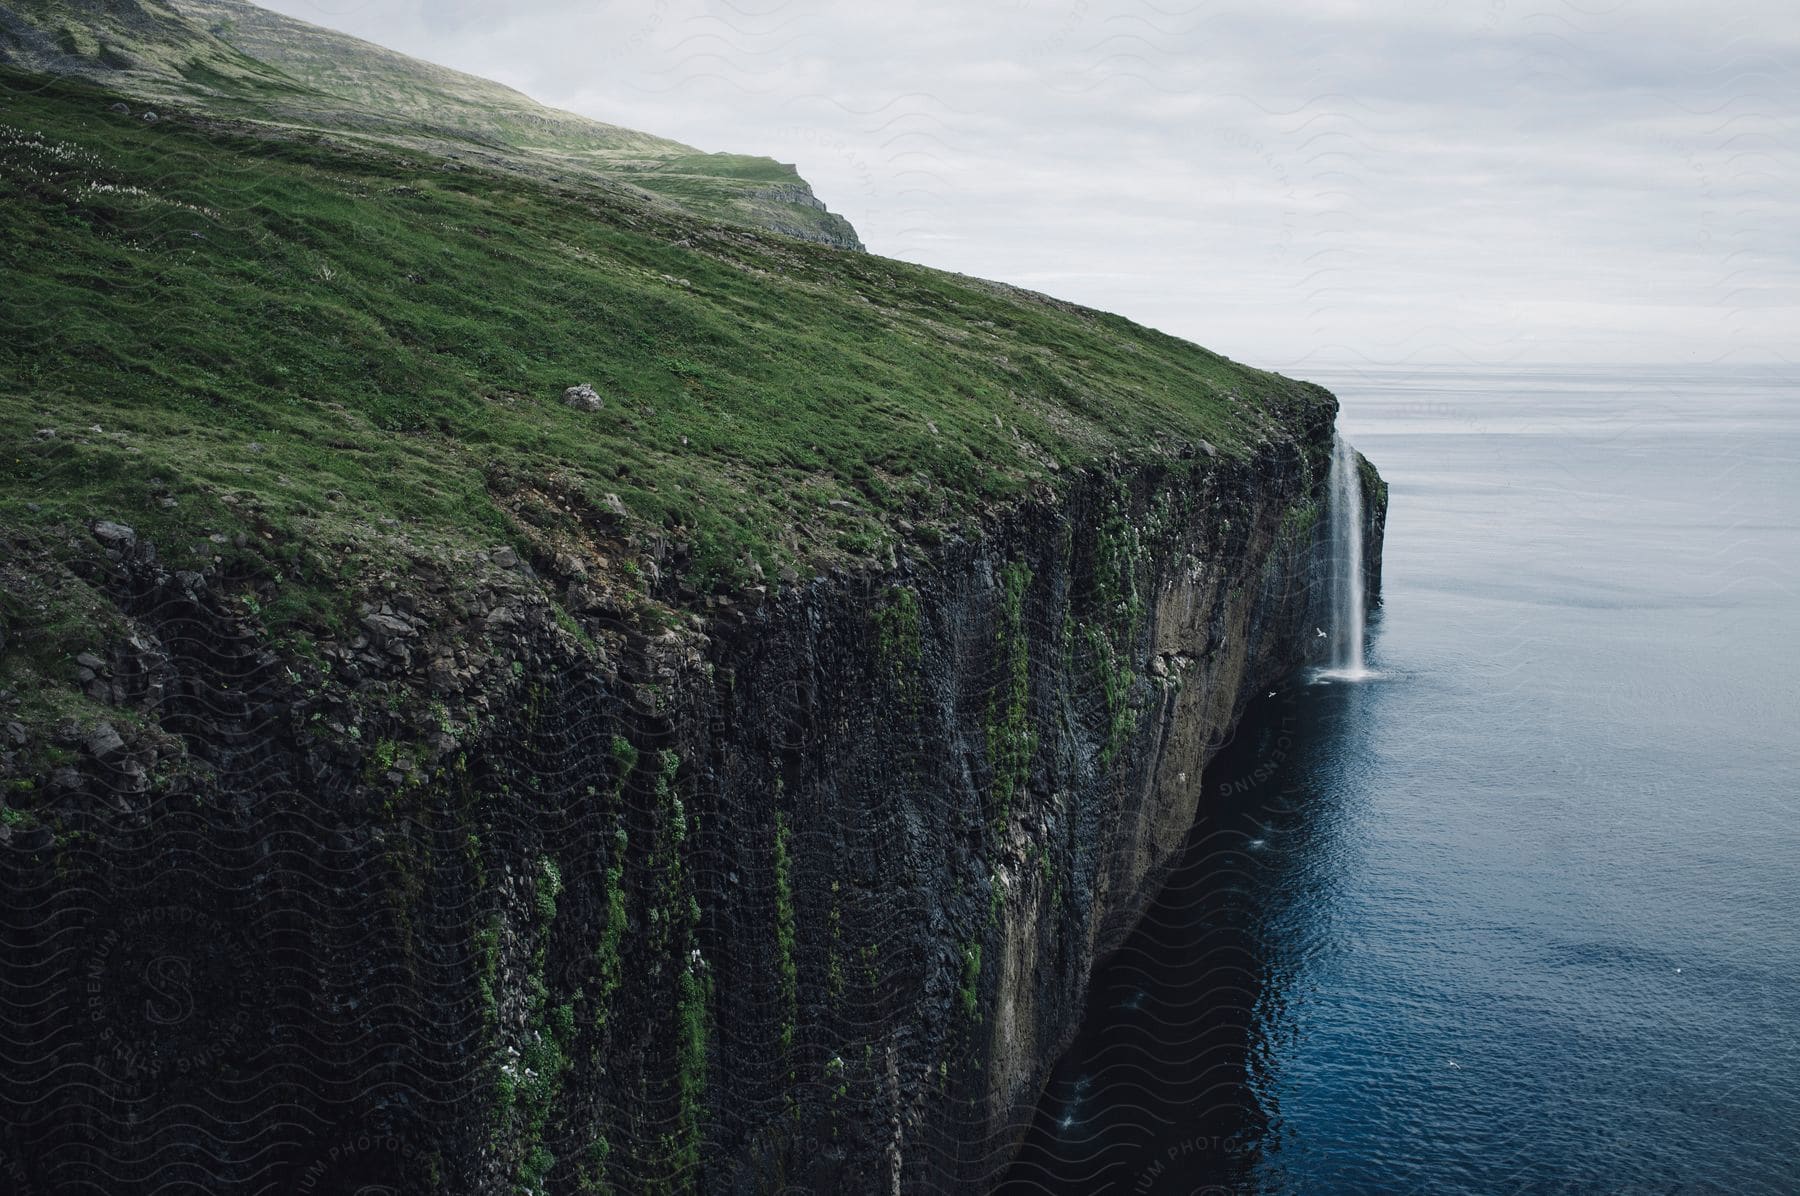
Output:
[[1321, 633], [1456, 1065], [1271, 693]]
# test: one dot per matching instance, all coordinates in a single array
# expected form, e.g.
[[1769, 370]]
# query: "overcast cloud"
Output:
[[1304, 183]]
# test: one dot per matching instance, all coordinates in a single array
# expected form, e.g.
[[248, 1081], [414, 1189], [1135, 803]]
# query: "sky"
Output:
[[1311, 182]]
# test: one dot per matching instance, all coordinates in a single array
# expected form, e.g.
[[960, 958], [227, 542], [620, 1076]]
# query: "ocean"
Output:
[[1520, 912]]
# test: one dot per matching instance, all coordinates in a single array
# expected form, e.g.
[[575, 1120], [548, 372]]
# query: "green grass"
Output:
[[970, 992], [785, 935], [403, 335], [1011, 738], [232, 58], [734, 166], [332, 357]]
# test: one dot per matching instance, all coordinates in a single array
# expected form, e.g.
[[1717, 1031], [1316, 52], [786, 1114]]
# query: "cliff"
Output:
[[418, 777], [808, 893]]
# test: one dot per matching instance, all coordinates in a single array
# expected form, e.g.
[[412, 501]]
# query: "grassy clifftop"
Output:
[[398, 329], [299, 358]]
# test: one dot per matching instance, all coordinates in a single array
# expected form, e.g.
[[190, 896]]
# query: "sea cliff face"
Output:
[[506, 893]]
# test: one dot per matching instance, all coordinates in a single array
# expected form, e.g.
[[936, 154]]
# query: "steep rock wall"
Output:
[[803, 892]]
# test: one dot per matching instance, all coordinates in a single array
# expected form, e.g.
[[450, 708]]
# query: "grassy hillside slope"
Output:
[[232, 58]]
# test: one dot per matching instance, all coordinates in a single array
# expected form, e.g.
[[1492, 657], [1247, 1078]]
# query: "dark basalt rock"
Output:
[[806, 894]]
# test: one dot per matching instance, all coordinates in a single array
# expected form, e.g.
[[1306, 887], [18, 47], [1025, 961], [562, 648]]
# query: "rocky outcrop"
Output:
[[508, 884], [583, 397], [827, 228]]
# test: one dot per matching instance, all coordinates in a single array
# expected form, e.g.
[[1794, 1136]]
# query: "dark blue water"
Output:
[[1523, 914]]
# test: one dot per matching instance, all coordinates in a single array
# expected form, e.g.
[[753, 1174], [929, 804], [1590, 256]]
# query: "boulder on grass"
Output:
[[583, 398]]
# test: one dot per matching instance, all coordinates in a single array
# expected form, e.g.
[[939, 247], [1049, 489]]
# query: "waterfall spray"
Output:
[[1347, 603]]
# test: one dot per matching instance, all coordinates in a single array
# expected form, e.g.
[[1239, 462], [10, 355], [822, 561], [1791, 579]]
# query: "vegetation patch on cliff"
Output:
[[1011, 739]]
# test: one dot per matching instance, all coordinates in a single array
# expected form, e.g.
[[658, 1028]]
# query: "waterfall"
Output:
[[1348, 607]]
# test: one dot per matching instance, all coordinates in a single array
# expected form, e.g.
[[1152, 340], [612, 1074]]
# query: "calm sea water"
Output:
[[1523, 914]]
